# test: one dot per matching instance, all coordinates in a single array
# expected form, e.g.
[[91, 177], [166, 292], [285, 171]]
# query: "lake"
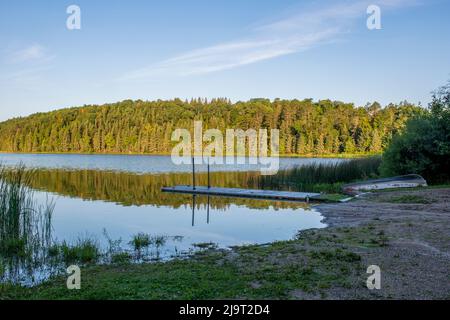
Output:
[[137, 163], [109, 197]]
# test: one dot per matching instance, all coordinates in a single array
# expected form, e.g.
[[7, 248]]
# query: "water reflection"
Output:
[[109, 209], [194, 197], [137, 163], [133, 189]]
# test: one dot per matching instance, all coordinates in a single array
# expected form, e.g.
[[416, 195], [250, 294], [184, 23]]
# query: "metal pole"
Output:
[[193, 173], [207, 216], [209, 183], [193, 210]]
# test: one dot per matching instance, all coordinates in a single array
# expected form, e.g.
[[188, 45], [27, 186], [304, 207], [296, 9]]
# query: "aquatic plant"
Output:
[[140, 241], [323, 177], [25, 226], [114, 246], [121, 258]]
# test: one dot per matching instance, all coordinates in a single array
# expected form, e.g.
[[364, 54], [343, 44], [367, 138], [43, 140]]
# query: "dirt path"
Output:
[[415, 254]]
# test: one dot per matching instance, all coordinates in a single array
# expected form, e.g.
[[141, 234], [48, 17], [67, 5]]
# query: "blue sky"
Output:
[[222, 48]]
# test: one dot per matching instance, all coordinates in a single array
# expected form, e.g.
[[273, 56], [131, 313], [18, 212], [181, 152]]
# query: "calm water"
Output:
[[125, 204], [126, 200], [136, 163]]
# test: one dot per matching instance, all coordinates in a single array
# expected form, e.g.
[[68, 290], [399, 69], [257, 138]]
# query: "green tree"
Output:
[[424, 146]]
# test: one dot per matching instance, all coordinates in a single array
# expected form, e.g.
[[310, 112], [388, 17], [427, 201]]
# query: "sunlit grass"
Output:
[[324, 177]]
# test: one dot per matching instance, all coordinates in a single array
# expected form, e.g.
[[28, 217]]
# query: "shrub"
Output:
[[424, 146]]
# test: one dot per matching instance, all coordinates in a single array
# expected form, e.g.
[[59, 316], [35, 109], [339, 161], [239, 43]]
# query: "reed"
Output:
[[323, 177], [25, 226]]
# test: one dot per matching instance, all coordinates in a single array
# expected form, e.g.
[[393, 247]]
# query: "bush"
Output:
[[424, 146]]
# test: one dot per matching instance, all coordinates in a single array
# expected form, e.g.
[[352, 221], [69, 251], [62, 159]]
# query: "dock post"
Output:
[[209, 181], [193, 209], [193, 173], [207, 213]]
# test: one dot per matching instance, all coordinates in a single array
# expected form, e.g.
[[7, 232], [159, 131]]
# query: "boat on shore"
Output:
[[406, 181]]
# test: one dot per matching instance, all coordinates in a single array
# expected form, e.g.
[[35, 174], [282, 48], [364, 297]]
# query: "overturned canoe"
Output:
[[407, 181]]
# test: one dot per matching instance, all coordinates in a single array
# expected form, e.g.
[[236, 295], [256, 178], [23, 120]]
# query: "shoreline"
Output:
[[409, 241], [307, 156]]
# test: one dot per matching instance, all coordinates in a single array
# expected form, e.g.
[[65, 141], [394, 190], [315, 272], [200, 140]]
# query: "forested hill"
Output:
[[306, 127]]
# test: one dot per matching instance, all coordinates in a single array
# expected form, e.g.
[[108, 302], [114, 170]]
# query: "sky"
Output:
[[239, 49]]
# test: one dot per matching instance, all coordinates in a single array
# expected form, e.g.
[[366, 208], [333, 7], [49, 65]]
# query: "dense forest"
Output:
[[306, 127]]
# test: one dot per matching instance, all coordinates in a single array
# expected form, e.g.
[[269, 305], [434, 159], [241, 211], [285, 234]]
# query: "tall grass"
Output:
[[23, 223], [25, 226], [86, 250], [323, 177]]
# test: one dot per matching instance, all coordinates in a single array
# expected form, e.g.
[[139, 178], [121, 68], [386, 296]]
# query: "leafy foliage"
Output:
[[424, 146], [306, 127]]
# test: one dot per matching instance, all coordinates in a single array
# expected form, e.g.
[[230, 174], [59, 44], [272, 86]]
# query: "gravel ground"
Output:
[[415, 260]]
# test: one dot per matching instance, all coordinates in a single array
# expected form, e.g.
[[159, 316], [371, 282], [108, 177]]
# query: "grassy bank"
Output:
[[324, 263], [255, 272], [318, 264], [324, 177]]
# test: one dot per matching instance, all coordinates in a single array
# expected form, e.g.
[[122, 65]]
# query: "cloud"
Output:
[[292, 34], [230, 55], [26, 68], [33, 53]]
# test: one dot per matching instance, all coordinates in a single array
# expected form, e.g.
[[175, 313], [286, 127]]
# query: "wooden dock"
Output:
[[244, 193]]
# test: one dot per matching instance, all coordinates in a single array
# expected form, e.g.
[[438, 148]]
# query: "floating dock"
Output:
[[245, 193]]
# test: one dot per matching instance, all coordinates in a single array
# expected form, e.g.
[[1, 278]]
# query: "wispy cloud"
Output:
[[26, 67], [32, 53], [295, 33]]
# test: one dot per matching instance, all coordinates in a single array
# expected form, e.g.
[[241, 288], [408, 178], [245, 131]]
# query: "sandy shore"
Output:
[[415, 254]]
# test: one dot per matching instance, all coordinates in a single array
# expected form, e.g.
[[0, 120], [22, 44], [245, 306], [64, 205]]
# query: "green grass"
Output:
[[324, 177], [332, 197], [23, 223], [121, 258], [140, 241], [310, 264], [25, 226], [255, 273], [85, 251], [429, 187], [410, 199]]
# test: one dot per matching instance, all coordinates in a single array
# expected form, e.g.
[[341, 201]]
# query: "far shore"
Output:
[[306, 156]]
